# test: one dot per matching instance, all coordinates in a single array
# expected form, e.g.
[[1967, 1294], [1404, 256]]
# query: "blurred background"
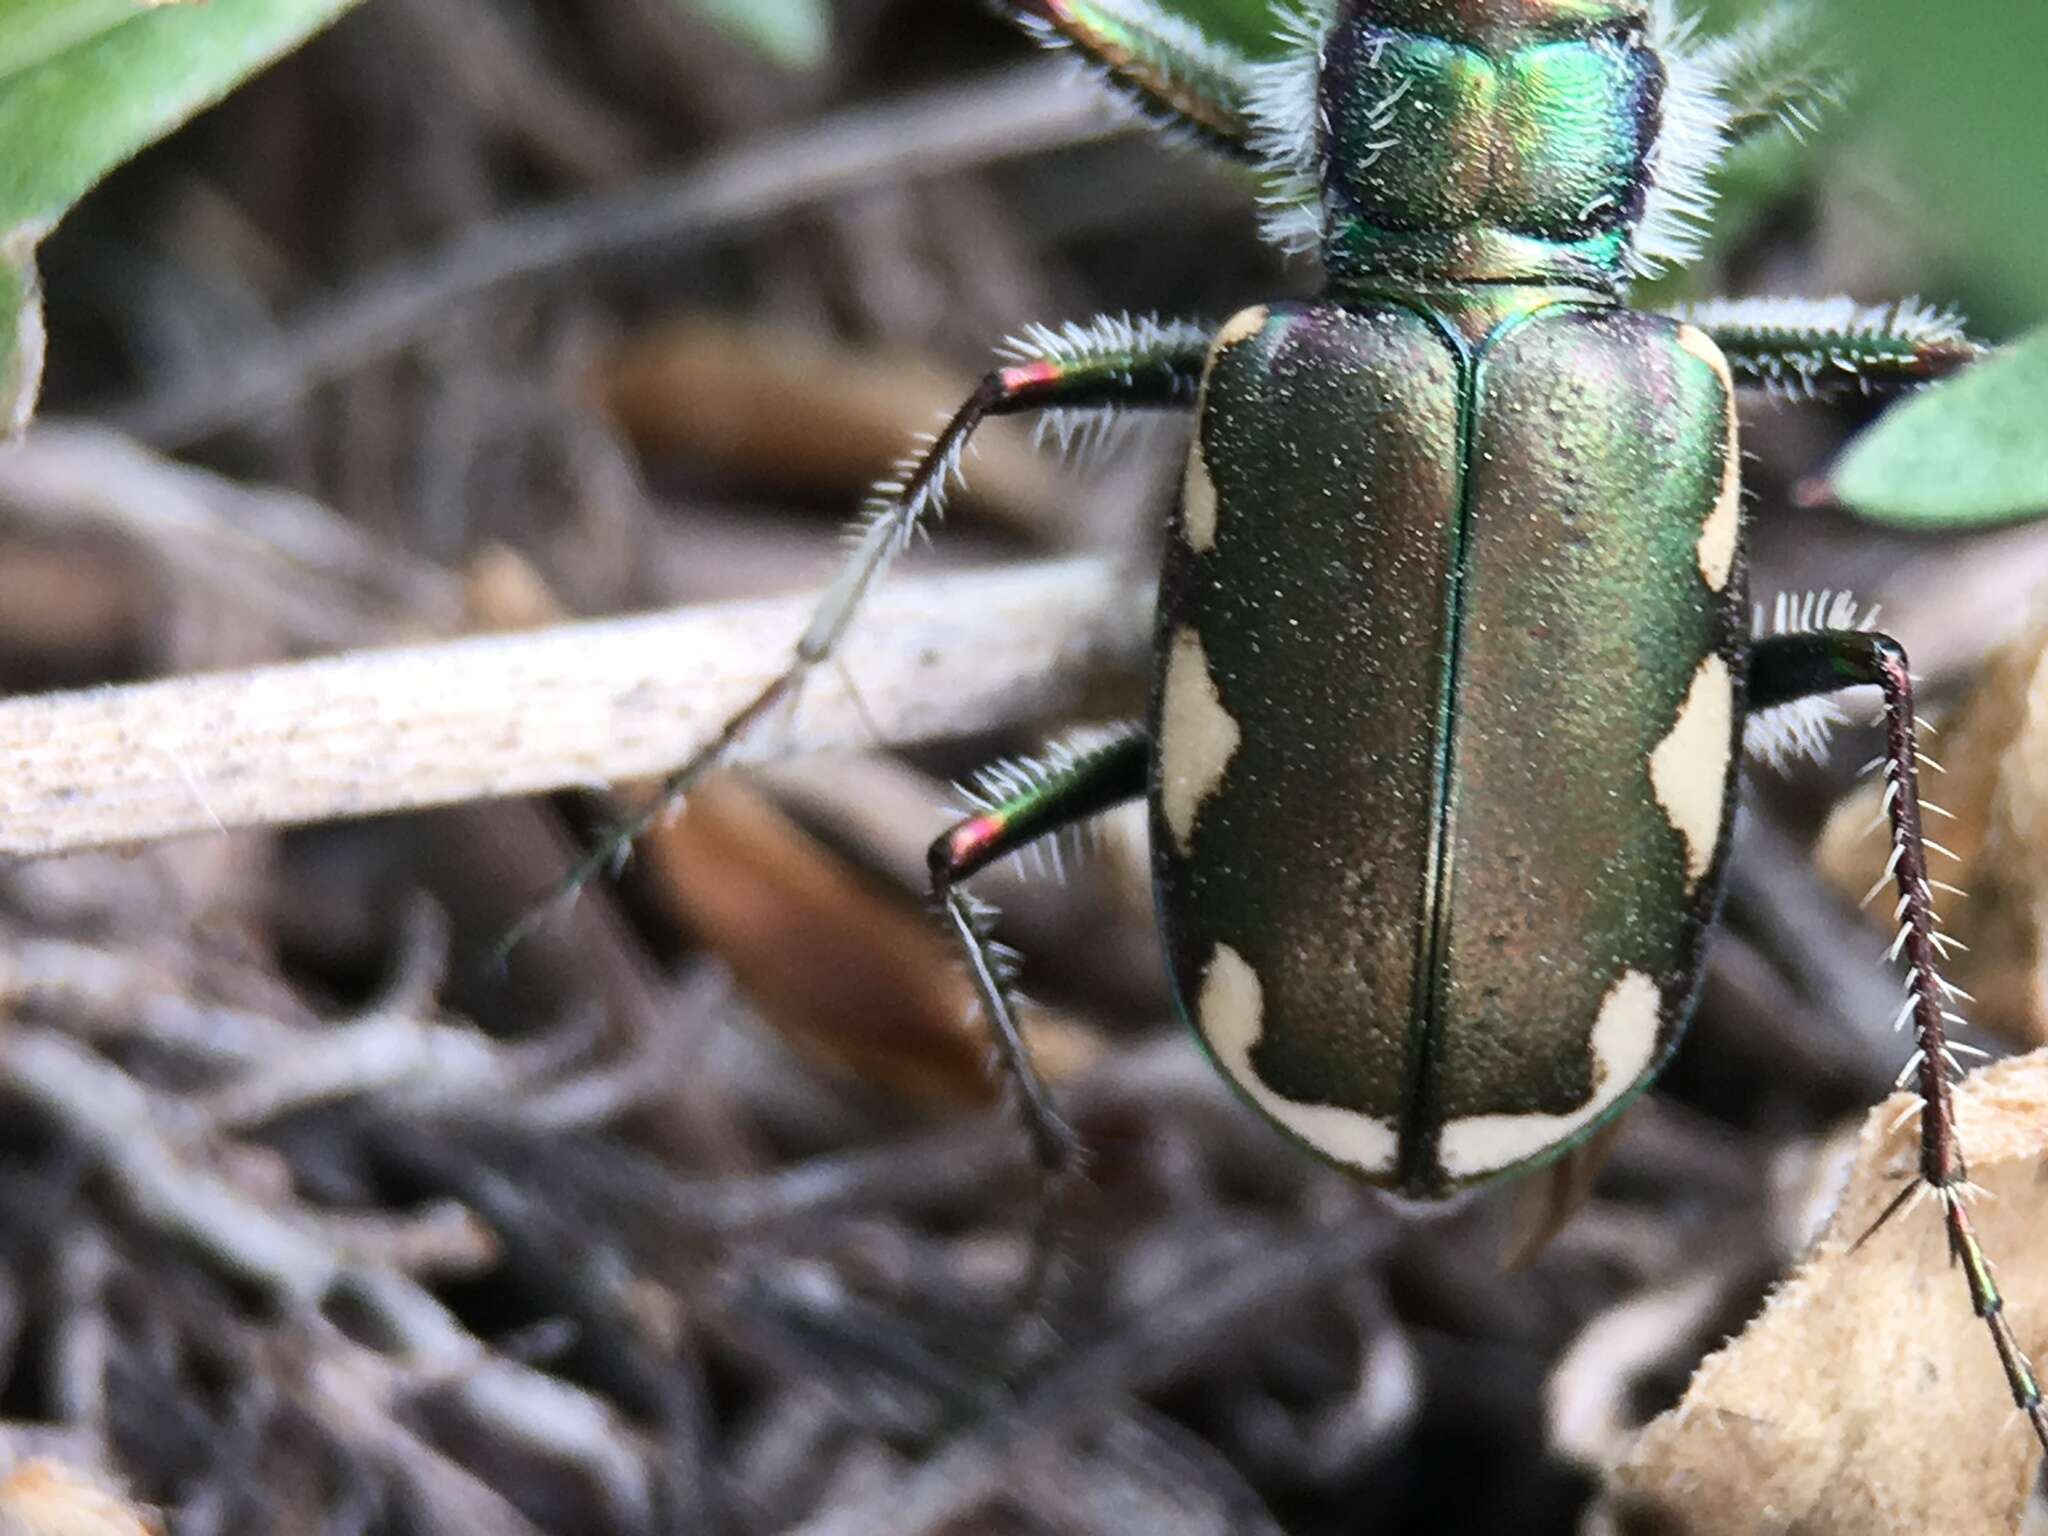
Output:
[[698, 1215]]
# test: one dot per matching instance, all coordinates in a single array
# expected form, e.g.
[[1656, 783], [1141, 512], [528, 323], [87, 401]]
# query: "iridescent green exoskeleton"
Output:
[[1454, 656]]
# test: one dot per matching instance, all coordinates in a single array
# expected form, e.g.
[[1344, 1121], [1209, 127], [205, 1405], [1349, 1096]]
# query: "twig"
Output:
[[351, 1392], [1214, 1314], [417, 1056], [584, 704], [123, 1125], [1018, 113]]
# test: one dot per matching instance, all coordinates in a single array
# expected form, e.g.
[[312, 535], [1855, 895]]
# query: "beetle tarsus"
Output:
[[1787, 667], [1079, 786]]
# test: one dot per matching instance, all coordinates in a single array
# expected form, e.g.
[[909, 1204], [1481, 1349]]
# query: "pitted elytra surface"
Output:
[[1596, 457], [1443, 585], [1626, 1037], [1332, 435], [1230, 1012]]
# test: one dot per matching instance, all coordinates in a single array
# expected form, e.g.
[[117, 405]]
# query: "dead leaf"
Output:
[[845, 970], [803, 417], [48, 1498], [503, 593], [1866, 1398]]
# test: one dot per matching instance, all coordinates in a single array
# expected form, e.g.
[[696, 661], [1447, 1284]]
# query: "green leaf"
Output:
[[1964, 454], [34, 30], [84, 84], [794, 33]]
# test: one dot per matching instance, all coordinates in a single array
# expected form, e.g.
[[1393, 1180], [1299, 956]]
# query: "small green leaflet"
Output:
[[1965, 454], [794, 33], [84, 84]]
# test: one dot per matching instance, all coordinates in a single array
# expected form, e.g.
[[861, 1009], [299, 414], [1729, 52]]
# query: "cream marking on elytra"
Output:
[[1689, 769], [1624, 1048], [1197, 737], [1198, 489], [1242, 326], [1198, 493], [1230, 1012], [1718, 534]]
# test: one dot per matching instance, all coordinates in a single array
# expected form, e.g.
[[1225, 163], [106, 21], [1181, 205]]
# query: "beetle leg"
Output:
[[1811, 347], [1783, 734], [1168, 65], [1042, 800], [1784, 668], [1113, 361], [1773, 72]]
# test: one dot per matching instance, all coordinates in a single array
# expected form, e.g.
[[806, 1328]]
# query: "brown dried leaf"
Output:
[[1866, 1398], [1995, 751], [846, 971], [48, 1498], [802, 417], [503, 592]]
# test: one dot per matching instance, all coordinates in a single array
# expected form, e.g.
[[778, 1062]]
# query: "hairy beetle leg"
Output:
[[1114, 361], [1063, 795], [1172, 69], [1788, 667], [1809, 347]]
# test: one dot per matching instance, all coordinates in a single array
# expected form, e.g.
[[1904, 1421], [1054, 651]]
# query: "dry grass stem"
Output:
[[583, 704]]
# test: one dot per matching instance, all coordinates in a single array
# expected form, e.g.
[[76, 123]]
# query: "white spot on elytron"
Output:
[[1230, 1013], [1198, 500], [1624, 1045], [1724, 523], [1689, 769], [1197, 737], [1242, 326], [1198, 489]]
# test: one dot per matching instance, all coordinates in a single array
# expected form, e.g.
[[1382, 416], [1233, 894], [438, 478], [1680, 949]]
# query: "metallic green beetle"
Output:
[[1454, 656]]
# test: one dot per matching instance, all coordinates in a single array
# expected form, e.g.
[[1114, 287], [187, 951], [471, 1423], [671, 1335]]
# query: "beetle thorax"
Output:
[[1486, 140]]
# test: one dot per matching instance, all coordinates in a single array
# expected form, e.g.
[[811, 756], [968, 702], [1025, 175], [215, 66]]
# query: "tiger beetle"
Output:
[[1453, 652]]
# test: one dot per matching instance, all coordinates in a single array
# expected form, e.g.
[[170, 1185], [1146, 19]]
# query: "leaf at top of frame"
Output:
[[85, 84], [794, 33], [33, 31], [1970, 452]]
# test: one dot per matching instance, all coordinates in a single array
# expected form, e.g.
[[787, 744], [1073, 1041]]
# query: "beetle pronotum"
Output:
[[1453, 650]]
